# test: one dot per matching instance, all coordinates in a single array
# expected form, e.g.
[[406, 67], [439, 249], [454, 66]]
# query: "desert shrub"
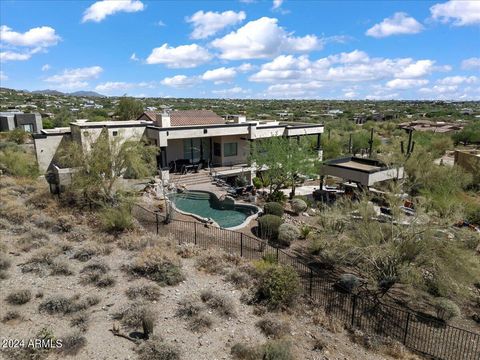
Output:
[[239, 278], [298, 206], [64, 224], [158, 264], [96, 273], [287, 233], [19, 297], [201, 322], [80, 321], [4, 262], [105, 281], [273, 208], [446, 309], [277, 196], [17, 162], [147, 292], [60, 268], [90, 250], [157, 349], [32, 239], [348, 283], [189, 307], [305, 230], [245, 352], [187, 250], [11, 315], [257, 182], [18, 136], [277, 350], [278, 286], [272, 327], [218, 302], [327, 321], [268, 226], [117, 219], [212, 262], [135, 315], [133, 241], [72, 344], [60, 304]]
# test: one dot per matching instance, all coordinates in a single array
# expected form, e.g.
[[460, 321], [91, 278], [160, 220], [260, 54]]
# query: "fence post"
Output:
[[406, 329], [277, 254], [156, 219], [195, 236], [241, 244], [354, 305], [311, 281]]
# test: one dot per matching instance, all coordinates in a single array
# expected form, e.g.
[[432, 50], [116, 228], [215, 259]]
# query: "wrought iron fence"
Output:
[[418, 332]]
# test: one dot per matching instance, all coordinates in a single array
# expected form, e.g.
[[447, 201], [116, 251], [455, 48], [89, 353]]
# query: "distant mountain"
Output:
[[86, 93], [48, 92], [76, 93]]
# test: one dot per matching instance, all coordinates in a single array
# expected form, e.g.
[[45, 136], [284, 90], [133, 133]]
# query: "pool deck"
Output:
[[217, 190]]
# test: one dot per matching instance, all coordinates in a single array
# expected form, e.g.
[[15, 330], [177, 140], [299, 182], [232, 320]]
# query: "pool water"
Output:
[[206, 205]]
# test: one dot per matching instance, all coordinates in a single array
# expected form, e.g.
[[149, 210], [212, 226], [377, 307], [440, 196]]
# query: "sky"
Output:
[[290, 49]]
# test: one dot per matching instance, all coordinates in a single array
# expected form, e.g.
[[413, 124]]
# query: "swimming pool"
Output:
[[206, 205]]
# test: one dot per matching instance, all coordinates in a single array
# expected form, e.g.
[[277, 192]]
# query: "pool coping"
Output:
[[213, 222]]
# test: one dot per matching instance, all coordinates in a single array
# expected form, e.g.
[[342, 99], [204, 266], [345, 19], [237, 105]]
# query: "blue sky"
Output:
[[244, 49]]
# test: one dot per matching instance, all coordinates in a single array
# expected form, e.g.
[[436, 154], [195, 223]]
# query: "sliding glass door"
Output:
[[197, 149]]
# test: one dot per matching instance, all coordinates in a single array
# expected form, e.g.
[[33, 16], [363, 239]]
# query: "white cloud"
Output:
[[3, 76], [399, 23], [460, 13], [439, 89], [245, 67], [350, 94], [110, 87], [45, 67], [263, 38], [471, 63], [183, 56], [295, 90], [14, 56], [404, 84], [354, 67], [134, 57], [101, 9], [33, 41], [457, 80], [382, 96], [276, 4], [160, 23], [220, 75], [233, 92], [208, 23], [43, 36], [75, 78], [179, 81]]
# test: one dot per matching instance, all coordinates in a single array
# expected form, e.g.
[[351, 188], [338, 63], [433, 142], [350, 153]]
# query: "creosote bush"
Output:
[[148, 292], [19, 297], [273, 208], [60, 304], [135, 315], [287, 233], [218, 302], [272, 327], [446, 309], [159, 264], [117, 219], [156, 348], [271, 350], [268, 226], [278, 286], [71, 344], [298, 206]]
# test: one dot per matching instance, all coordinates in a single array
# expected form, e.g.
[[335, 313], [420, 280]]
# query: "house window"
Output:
[[230, 149], [115, 133], [27, 128]]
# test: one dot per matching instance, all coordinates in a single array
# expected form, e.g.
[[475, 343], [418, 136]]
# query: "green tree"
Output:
[[98, 170], [129, 108], [283, 160], [62, 118]]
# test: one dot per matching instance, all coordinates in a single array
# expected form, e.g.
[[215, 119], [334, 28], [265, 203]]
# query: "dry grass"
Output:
[[19, 297], [193, 310], [321, 318], [80, 321], [60, 304], [239, 278], [133, 241], [157, 349], [159, 264], [90, 250], [187, 250], [148, 292], [212, 262], [134, 315], [96, 273], [223, 305], [273, 328], [11, 315], [72, 344]]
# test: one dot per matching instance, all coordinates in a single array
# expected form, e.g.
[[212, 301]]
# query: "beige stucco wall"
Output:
[[46, 148]]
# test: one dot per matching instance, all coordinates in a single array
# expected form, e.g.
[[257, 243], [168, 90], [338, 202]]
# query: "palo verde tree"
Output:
[[283, 160], [99, 169], [129, 108]]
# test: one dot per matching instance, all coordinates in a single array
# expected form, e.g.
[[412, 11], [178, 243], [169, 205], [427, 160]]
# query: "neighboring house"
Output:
[[29, 122], [183, 137], [426, 125], [469, 160]]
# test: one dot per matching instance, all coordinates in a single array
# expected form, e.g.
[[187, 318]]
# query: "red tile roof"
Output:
[[187, 117]]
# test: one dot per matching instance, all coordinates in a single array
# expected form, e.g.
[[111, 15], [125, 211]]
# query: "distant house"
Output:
[[29, 122], [426, 125]]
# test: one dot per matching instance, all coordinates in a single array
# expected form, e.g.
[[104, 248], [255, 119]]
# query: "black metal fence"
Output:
[[418, 332]]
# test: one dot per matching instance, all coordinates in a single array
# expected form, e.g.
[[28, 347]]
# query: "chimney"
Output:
[[164, 120]]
